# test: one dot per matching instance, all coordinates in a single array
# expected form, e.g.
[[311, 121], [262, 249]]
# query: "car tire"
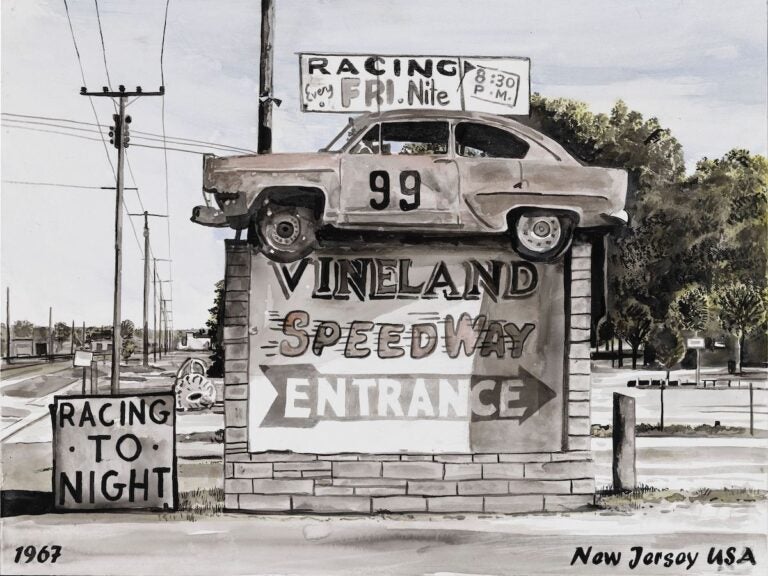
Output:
[[285, 233], [541, 235]]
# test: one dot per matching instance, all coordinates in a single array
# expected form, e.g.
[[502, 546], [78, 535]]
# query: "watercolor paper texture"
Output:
[[384, 287]]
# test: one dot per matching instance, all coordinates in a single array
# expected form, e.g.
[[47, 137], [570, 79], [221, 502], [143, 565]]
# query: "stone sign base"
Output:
[[365, 484], [291, 482]]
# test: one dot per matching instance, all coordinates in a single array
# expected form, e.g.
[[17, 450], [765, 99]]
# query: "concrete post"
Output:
[[624, 458]]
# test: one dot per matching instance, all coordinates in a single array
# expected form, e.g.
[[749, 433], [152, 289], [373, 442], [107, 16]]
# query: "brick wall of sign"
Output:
[[368, 483]]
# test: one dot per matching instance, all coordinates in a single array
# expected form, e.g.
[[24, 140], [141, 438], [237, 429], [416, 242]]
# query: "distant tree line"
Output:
[[693, 258]]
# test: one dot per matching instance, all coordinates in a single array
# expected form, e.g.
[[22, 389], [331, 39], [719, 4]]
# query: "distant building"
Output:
[[190, 341]]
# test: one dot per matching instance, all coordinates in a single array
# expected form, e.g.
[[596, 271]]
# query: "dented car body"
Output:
[[421, 171]]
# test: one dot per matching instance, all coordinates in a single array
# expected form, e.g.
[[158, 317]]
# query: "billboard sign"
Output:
[[114, 452], [409, 349], [352, 83]]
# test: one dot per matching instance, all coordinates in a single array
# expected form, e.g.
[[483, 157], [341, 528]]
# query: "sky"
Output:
[[698, 65]]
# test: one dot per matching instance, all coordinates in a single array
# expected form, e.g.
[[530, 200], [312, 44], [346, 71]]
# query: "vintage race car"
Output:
[[423, 171]]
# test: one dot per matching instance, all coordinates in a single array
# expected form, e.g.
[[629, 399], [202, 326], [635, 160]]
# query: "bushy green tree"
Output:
[[22, 329], [127, 331], [61, 332], [690, 309], [634, 323], [215, 325], [669, 347], [742, 310]]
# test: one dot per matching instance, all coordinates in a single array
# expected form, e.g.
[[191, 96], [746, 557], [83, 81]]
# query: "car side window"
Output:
[[368, 144], [475, 140], [414, 138]]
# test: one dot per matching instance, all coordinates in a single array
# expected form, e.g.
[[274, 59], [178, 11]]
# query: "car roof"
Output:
[[430, 114]]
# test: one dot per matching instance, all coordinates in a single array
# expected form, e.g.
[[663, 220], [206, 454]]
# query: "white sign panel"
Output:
[[114, 452], [695, 343], [414, 349], [351, 83], [83, 358]]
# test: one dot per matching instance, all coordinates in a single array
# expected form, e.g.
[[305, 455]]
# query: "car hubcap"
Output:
[[283, 230], [539, 233]]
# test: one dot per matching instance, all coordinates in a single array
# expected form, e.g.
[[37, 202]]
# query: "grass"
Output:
[[645, 496], [701, 431], [199, 503]]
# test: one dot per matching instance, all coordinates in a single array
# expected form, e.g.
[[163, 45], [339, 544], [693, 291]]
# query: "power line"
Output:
[[95, 115], [103, 48], [165, 150], [162, 44], [55, 184], [98, 140], [147, 135]]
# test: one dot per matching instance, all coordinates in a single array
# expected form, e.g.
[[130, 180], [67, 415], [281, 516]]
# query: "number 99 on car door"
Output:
[[400, 174]]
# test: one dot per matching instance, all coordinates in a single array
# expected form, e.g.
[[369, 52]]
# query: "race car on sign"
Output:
[[431, 172]]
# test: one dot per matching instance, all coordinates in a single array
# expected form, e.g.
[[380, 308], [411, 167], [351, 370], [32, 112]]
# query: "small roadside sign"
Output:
[[695, 343], [114, 452], [83, 358]]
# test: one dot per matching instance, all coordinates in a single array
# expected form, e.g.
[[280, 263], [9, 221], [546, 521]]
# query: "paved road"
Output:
[[130, 544]]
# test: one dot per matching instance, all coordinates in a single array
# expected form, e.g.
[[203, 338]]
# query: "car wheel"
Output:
[[286, 233], [541, 235]]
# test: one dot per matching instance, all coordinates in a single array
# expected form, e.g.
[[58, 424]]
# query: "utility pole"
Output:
[[50, 332], [72, 340], [120, 138], [265, 77], [145, 339], [167, 335], [154, 310]]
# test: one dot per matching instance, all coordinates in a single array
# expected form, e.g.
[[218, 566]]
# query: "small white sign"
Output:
[[695, 343], [351, 83], [83, 358]]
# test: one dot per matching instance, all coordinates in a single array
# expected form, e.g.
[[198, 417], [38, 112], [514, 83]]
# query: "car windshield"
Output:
[[341, 139]]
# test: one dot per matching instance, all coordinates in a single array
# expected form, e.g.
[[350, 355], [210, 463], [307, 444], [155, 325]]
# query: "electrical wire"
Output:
[[174, 139], [165, 151], [55, 184], [96, 118], [99, 140], [103, 48]]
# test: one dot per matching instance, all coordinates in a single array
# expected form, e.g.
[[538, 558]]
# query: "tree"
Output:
[[670, 349], [634, 323], [23, 329], [215, 325], [690, 309], [127, 330], [741, 310], [61, 332]]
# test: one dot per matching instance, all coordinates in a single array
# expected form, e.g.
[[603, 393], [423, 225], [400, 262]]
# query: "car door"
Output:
[[491, 170], [401, 174]]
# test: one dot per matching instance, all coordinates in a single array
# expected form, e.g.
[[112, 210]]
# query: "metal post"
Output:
[[50, 332], [264, 145], [624, 457], [154, 310], [94, 377], [84, 380], [83, 343], [72, 340], [751, 410], [698, 367]]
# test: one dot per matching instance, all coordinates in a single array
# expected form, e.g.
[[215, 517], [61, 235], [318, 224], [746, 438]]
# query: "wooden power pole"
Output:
[[266, 98], [145, 339], [120, 138]]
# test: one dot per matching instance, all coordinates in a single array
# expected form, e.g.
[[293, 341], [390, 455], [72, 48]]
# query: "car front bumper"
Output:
[[209, 216]]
